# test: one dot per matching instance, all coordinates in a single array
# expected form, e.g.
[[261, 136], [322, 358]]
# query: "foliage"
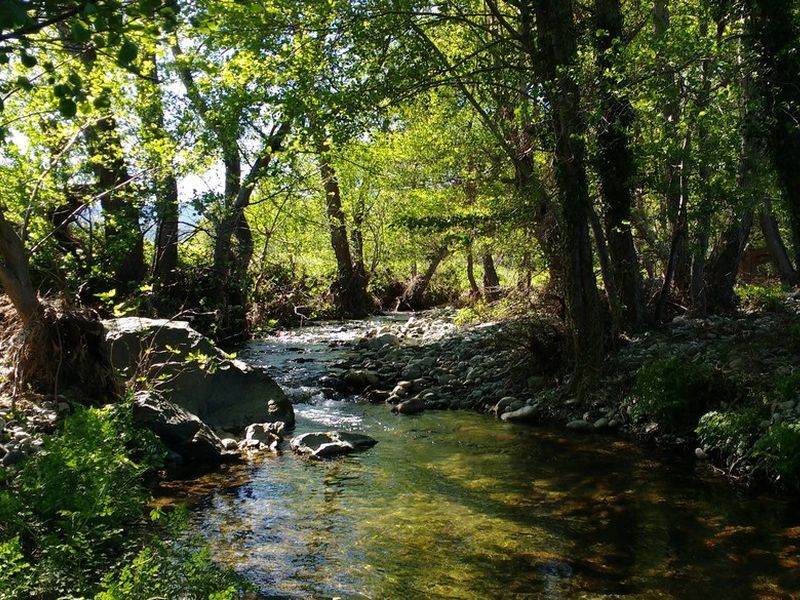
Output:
[[177, 568], [674, 392], [71, 511], [768, 297], [779, 449], [732, 433]]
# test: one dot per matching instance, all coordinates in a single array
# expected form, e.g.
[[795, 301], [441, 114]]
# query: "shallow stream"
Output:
[[458, 505]]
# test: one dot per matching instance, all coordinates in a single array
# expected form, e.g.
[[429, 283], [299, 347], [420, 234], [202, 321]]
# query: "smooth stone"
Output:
[[601, 423], [331, 443], [181, 431], [221, 391], [501, 406], [700, 454], [580, 426], [378, 396], [523, 414], [409, 407], [230, 444]]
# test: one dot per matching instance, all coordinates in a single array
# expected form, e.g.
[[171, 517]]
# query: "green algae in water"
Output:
[[455, 505]]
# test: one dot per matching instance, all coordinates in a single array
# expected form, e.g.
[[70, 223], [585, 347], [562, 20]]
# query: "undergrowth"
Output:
[[74, 520]]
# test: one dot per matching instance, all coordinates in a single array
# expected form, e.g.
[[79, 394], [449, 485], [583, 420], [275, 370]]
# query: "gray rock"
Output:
[[359, 379], [580, 426], [700, 454], [409, 407], [196, 376], [265, 434], [330, 443], [181, 431], [502, 405], [12, 457], [378, 396], [524, 414], [601, 423], [386, 339], [230, 444]]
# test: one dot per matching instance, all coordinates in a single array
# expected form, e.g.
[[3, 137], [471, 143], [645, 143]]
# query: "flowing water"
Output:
[[457, 505]]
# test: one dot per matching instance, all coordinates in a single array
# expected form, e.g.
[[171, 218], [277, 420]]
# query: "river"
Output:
[[458, 505]]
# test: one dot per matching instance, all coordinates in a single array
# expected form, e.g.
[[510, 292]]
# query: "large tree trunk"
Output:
[[777, 249], [557, 45], [615, 162], [124, 241], [165, 253], [414, 293], [15, 275], [674, 171], [350, 288], [491, 280], [606, 270], [774, 24]]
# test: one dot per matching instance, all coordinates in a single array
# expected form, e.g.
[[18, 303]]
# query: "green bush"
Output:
[[761, 297], [674, 392], [176, 568], [779, 451], [73, 511], [787, 387], [732, 433]]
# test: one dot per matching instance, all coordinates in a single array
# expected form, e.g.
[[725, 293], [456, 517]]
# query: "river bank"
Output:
[[722, 389]]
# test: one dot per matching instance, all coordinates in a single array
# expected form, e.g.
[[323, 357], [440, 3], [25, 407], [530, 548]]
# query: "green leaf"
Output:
[[67, 107], [79, 32], [28, 61], [127, 53]]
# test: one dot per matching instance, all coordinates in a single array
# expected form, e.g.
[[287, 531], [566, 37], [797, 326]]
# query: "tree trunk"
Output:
[[557, 45], [124, 239], [777, 249], [674, 178], [165, 253], [775, 28], [723, 269], [350, 287], [606, 270], [474, 290], [615, 164], [414, 293], [491, 281], [15, 274]]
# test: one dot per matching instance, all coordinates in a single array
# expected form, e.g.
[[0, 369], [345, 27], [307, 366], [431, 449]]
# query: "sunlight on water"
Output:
[[457, 505]]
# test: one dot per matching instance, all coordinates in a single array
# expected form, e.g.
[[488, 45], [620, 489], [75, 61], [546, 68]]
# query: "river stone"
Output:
[[501, 406], [386, 339], [265, 433], [358, 379], [12, 457], [601, 423], [181, 431], [525, 414], [378, 396], [224, 393], [331, 443], [580, 426], [409, 407]]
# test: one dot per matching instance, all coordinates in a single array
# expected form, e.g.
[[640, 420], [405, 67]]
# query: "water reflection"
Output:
[[456, 505], [452, 505]]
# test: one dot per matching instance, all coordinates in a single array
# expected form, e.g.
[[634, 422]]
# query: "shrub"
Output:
[[674, 392], [70, 513], [72, 506], [176, 568], [732, 433], [779, 450], [761, 297]]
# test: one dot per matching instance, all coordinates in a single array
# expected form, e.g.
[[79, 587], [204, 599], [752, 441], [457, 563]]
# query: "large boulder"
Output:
[[181, 431], [194, 374], [331, 443]]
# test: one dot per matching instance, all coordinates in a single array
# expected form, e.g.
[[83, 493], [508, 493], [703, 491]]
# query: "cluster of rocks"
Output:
[[21, 437], [430, 363], [213, 408]]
